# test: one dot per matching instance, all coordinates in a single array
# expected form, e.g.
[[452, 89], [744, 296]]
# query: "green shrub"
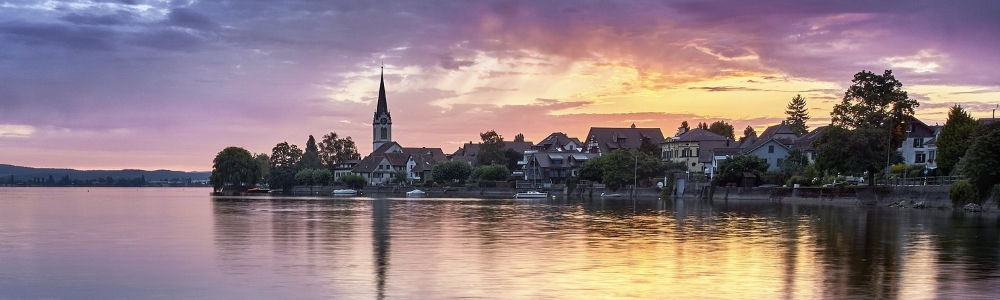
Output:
[[962, 192]]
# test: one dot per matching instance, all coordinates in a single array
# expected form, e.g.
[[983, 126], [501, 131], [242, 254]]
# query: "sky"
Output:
[[168, 84]]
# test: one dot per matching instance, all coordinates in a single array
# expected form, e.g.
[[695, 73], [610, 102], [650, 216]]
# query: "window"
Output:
[[932, 156], [920, 158], [556, 161], [918, 142], [696, 151], [385, 132], [770, 149]]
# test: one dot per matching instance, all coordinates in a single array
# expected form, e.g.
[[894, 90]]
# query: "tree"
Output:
[[284, 166], [310, 158], [702, 125], [731, 170], [491, 149], [685, 127], [305, 177], [321, 176], [491, 173], [353, 181], [334, 151], [981, 164], [264, 162], [954, 139], [451, 171], [647, 146], [748, 131], [875, 101], [621, 168], [722, 128], [593, 169], [794, 164], [512, 157], [234, 166], [797, 115], [853, 151]]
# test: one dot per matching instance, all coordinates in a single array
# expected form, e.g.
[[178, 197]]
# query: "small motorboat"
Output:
[[531, 194], [612, 195], [345, 192], [415, 193]]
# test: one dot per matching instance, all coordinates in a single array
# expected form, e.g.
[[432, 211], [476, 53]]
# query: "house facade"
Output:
[[918, 147], [554, 167], [773, 145], [694, 148]]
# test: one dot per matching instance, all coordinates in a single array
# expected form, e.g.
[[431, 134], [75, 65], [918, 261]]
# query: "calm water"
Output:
[[172, 243]]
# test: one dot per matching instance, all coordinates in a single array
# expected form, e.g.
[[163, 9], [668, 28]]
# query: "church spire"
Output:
[[382, 106]]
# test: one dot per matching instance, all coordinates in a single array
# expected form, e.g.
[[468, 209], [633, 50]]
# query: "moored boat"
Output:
[[415, 193], [345, 192], [531, 194]]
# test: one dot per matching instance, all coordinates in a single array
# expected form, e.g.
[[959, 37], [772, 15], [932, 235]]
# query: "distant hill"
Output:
[[24, 173]]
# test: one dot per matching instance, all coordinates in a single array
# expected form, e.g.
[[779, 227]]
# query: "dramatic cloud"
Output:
[[170, 83]]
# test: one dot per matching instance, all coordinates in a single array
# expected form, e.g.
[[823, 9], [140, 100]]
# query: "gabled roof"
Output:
[[605, 138], [698, 135], [555, 141], [368, 164], [780, 133], [805, 142], [385, 147], [919, 130], [397, 159], [436, 153]]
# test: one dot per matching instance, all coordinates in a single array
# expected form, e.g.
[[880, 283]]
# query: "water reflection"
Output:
[[594, 248]]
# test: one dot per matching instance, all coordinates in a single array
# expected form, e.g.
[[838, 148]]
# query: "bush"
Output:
[[801, 180], [774, 177], [962, 192]]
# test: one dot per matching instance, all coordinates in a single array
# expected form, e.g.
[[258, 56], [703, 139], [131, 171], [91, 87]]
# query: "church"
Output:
[[390, 162]]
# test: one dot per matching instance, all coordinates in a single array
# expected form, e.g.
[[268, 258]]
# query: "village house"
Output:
[[554, 167], [807, 143], [918, 147], [694, 148], [773, 145]]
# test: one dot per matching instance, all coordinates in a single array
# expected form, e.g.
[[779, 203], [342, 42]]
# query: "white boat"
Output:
[[531, 194], [415, 193], [614, 195], [345, 192]]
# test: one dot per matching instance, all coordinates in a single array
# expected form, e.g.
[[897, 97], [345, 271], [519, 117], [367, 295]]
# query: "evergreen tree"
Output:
[[310, 158], [954, 139], [703, 125], [685, 127], [798, 115]]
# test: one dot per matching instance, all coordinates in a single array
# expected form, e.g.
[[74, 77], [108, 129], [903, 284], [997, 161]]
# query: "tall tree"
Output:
[[264, 162], [491, 149], [875, 101], [797, 115], [284, 166], [982, 161], [955, 138], [451, 170], [334, 151], [722, 128], [234, 166], [310, 158], [748, 131], [684, 127], [703, 125]]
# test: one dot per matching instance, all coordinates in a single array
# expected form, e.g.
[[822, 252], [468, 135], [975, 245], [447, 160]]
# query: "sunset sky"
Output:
[[168, 84]]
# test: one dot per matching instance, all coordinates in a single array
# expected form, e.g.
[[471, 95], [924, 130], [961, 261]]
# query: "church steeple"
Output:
[[382, 106], [382, 122]]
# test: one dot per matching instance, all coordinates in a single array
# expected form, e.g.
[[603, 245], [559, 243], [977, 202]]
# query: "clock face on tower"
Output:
[[383, 121]]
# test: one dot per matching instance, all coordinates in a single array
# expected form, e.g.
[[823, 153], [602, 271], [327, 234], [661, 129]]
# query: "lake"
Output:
[[176, 243]]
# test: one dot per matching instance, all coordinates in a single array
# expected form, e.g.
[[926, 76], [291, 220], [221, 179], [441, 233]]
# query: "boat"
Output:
[[258, 191], [415, 193], [531, 194], [345, 192], [613, 195]]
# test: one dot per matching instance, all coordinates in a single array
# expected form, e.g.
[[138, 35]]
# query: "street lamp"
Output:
[[909, 128]]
